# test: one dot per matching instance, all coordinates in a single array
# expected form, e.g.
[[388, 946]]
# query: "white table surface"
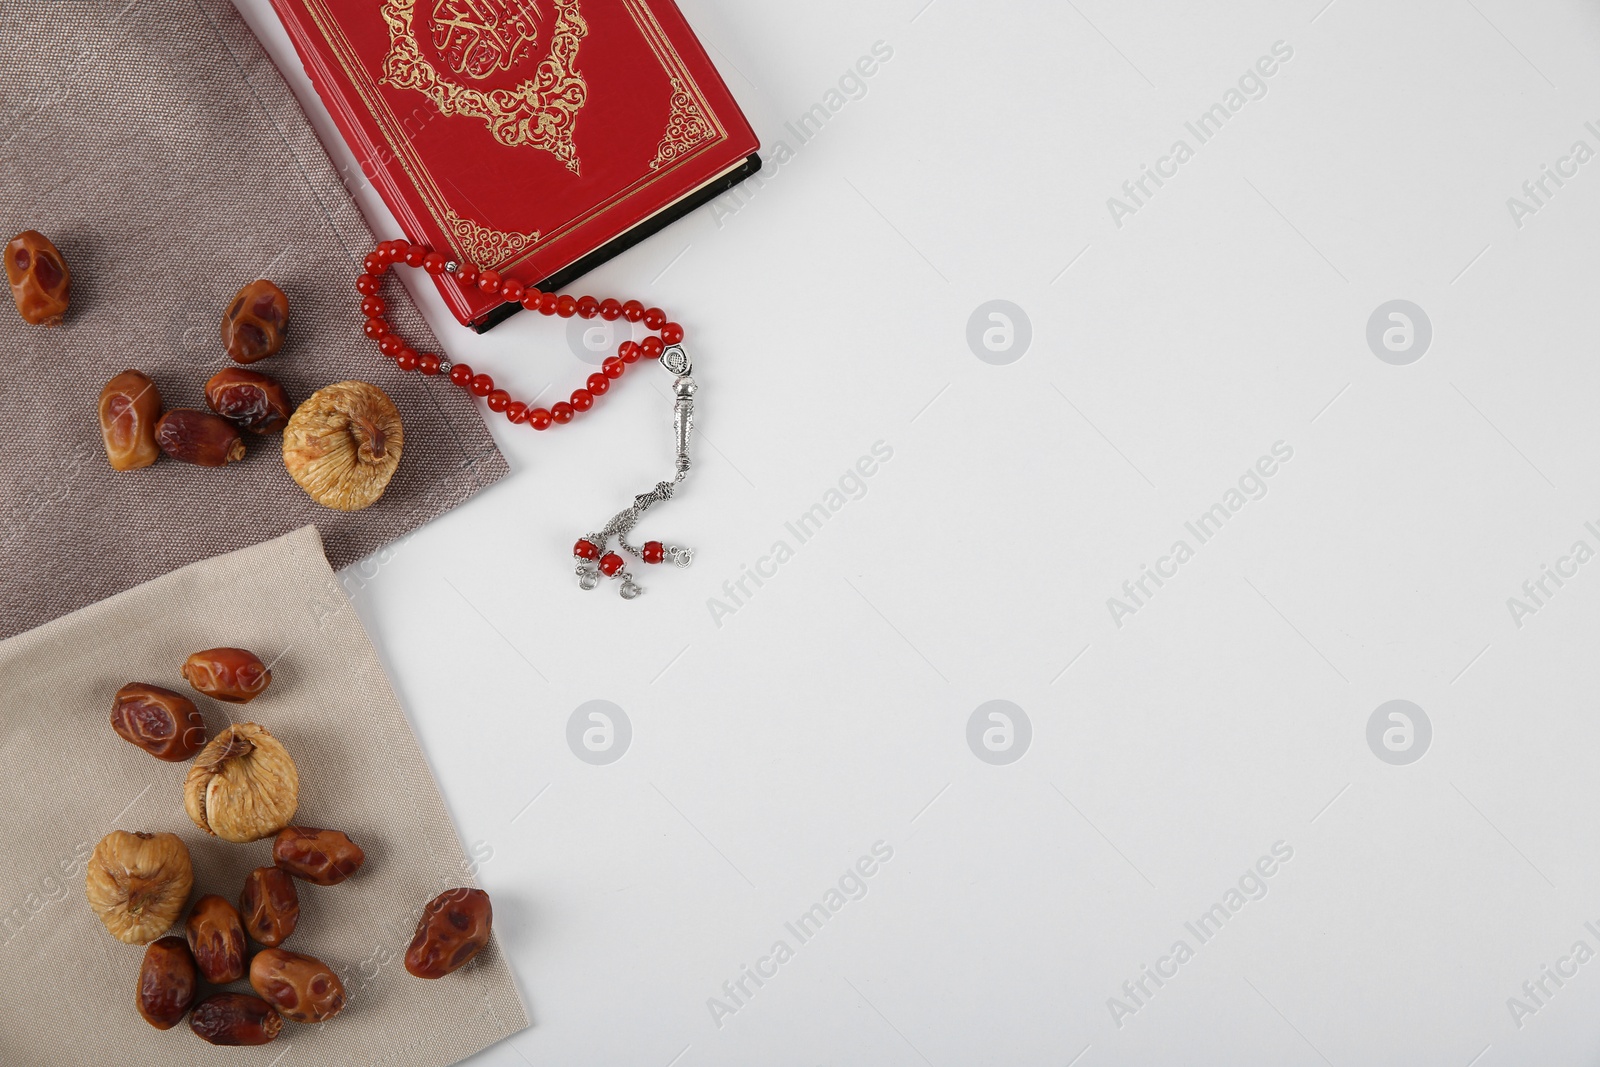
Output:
[[774, 744]]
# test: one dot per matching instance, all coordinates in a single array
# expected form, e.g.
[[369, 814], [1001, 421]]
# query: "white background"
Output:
[[774, 745]]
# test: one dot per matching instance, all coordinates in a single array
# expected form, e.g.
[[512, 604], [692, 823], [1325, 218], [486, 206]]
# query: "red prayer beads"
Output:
[[376, 326], [593, 558]]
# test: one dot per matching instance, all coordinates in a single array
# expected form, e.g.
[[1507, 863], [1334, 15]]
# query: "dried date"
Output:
[[302, 988], [167, 983], [249, 399], [199, 437], [129, 408], [255, 322], [235, 1019], [455, 927], [216, 938], [270, 905], [321, 857], [236, 675], [163, 723], [41, 284]]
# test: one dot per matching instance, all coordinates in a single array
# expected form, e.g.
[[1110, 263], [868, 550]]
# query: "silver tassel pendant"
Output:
[[592, 552]]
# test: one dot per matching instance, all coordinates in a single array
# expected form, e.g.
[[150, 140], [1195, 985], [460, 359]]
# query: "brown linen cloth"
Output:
[[156, 144], [66, 986]]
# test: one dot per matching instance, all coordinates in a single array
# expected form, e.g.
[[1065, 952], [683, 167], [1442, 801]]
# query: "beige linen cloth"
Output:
[[66, 986], [156, 144]]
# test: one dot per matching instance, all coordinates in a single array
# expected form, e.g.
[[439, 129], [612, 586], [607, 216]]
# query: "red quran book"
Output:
[[535, 137]]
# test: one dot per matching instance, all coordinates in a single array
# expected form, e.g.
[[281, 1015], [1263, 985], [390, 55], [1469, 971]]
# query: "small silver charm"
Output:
[[630, 589], [676, 360], [588, 574], [680, 556]]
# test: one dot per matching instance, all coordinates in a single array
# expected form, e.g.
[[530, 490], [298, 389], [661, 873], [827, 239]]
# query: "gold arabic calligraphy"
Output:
[[479, 37]]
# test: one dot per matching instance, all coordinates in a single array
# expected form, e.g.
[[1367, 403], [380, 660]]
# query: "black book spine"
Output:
[[620, 244]]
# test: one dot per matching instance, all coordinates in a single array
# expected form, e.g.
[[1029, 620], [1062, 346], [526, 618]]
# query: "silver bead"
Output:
[[444, 367], [451, 267]]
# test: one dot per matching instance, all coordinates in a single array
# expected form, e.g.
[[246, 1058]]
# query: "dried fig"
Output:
[[41, 284], [236, 675], [455, 927], [321, 857], [216, 938], [235, 1019], [249, 400], [199, 437], [138, 884], [243, 785], [167, 983], [129, 408], [254, 324], [302, 988], [270, 905], [343, 445], [163, 723]]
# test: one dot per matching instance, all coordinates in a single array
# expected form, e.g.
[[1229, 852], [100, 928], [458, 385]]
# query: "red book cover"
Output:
[[534, 137]]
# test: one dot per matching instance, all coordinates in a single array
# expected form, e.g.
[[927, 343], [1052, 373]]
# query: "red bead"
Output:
[[428, 363], [511, 291], [582, 399], [391, 251], [532, 299], [653, 552], [467, 275], [540, 419], [374, 264], [517, 412], [610, 310], [373, 306], [672, 333], [489, 282], [629, 351], [547, 306], [415, 255], [633, 311], [461, 374], [654, 319], [566, 306], [406, 360], [610, 564], [390, 345], [652, 347], [613, 367], [375, 328], [586, 549], [481, 385], [588, 307], [434, 262], [597, 384], [562, 413], [367, 285], [498, 400]]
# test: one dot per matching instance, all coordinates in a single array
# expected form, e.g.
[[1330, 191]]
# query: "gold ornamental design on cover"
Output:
[[477, 39], [687, 128], [484, 245]]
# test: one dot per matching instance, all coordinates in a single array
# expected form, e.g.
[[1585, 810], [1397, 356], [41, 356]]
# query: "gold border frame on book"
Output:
[[518, 247]]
